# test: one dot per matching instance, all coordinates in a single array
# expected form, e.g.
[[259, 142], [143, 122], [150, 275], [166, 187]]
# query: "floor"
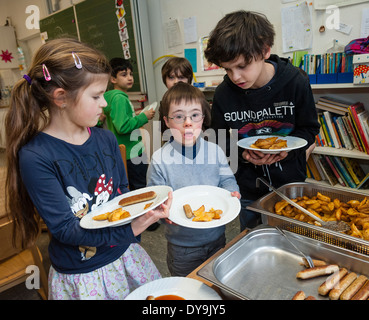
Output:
[[153, 242]]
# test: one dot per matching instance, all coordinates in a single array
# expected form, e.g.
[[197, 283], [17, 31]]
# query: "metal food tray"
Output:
[[263, 265], [265, 206]]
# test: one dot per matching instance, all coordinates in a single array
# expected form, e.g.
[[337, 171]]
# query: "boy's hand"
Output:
[[259, 158], [150, 114], [236, 194]]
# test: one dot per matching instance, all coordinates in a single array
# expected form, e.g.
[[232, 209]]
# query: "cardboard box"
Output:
[[361, 68]]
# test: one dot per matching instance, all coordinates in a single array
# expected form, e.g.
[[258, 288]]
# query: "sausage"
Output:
[[331, 282], [188, 211], [363, 292], [353, 288], [344, 283], [317, 271], [145, 196], [317, 263], [300, 295]]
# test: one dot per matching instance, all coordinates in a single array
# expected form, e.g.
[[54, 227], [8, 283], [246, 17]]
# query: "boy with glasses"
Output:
[[187, 159]]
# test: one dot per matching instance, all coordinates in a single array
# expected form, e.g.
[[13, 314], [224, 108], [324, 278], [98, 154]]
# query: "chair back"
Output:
[[122, 149]]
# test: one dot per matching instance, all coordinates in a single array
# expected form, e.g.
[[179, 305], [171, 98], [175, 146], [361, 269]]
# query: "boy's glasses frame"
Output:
[[182, 118]]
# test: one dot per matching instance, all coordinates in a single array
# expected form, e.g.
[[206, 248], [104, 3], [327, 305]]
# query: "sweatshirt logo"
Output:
[[279, 110]]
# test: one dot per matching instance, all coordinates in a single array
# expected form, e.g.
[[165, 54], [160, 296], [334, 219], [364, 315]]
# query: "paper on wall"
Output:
[[190, 29], [297, 31], [174, 39], [365, 23]]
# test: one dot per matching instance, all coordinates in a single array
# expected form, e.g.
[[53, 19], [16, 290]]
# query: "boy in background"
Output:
[[176, 69], [261, 94], [124, 123]]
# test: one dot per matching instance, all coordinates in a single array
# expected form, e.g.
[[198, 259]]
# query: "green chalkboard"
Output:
[[60, 25], [98, 26], [96, 22]]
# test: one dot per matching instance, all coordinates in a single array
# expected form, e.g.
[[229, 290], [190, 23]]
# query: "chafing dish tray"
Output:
[[263, 265], [265, 206]]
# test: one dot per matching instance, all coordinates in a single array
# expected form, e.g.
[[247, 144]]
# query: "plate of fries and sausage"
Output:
[[272, 144], [124, 208], [203, 206]]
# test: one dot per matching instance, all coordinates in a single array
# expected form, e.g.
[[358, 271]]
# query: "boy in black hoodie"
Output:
[[261, 94]]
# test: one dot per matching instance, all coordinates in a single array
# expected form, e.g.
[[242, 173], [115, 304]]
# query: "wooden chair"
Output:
[[14, 260], [122, 149]]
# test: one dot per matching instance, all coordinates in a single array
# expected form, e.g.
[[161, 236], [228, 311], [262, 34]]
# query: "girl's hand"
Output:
[[236, 194], [259, 158], [141, 223]]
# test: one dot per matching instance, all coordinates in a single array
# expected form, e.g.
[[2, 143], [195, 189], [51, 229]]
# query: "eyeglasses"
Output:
[[180, 118]]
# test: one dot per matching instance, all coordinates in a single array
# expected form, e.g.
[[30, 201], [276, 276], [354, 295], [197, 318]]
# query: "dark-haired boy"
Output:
[[262, 94], [124, 123]]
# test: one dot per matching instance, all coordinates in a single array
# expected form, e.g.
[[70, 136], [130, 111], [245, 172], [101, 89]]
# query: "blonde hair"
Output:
[[28, 114]]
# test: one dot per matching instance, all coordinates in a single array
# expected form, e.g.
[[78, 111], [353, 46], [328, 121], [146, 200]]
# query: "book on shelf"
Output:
[[331, 129], [333, 105], [337, 173], [330, 176], [338, 132], [354, 111], [349, 131], [353, 133], [364, 183], [343, 172], [315, 174], [354, 169], [335, 102], [325, 130], [344, 133], [315, 158], [346, 172]]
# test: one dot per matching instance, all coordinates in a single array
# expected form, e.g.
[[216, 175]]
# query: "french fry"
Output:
[[354, 212]]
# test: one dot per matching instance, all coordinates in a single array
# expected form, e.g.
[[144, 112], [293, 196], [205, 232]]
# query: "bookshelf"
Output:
[[329, 151], [339, 86], [346, 91], [351, 93]]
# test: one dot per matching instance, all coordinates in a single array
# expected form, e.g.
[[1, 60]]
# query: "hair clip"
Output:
[[27, 77], [46, 73], [77, 63]]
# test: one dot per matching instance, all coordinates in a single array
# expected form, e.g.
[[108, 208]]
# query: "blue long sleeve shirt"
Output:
[[65, 182]]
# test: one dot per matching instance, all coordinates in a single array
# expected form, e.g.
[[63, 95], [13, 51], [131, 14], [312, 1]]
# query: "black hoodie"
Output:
[[284, 106]]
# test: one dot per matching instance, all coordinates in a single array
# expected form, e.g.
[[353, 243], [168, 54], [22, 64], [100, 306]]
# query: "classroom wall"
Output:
[[209, 12]]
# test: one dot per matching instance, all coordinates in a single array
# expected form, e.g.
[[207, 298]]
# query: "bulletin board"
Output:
[[106, 25]]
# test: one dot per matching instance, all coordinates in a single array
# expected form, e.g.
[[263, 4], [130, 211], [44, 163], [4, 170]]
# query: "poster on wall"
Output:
[[296, 27], [206, 66], [123, 29], [8, 48]]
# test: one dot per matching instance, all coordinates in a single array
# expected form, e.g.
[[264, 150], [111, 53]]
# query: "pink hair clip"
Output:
[[77, 60], [46, 73]]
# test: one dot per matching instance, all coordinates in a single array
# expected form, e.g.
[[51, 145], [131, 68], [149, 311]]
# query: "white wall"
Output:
[[209, 12]]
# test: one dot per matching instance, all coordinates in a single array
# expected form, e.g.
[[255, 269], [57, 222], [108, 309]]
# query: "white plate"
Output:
[[210, 197], [135, 210], [149, 107], [187, 288], [292, 143]]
